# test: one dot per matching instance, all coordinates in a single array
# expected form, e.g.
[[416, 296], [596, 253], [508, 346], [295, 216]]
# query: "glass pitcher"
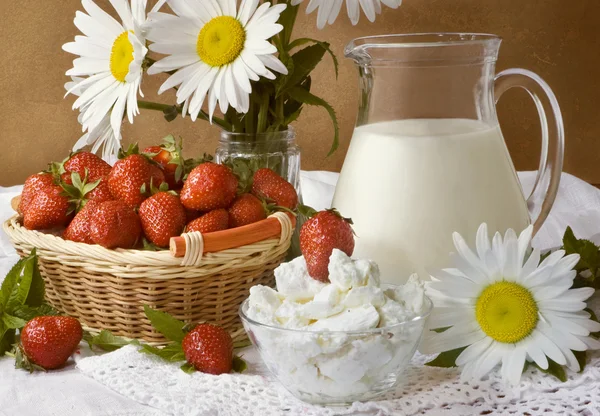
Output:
[[427, 157]]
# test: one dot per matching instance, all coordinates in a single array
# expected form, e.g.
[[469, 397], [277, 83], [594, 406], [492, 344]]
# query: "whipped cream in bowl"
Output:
[[339, 342]]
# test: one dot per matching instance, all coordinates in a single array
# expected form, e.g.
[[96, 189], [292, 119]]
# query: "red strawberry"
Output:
[[34, 184], [49, 341], [115, 224], [212, 221], [269, 185], [79, 229], [127, 177], [319, 236], [168, 157], [79, 162], [246, 209], [191, 215], [209, 186], [48, 208], [209, 348], [100, 193], [162, 217]]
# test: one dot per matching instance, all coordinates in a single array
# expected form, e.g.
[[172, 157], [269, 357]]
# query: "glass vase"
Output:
[[276, 150]]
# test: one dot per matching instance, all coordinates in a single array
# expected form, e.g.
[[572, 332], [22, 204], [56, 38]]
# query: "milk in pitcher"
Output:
[[430, 177]]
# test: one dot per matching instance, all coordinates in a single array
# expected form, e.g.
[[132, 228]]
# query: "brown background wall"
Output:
[[557, 39]]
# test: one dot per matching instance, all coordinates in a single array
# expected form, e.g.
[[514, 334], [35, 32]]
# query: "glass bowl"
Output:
[[337, 367]]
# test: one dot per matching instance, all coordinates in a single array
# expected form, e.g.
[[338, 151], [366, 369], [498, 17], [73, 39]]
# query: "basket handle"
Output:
[[234, 237]]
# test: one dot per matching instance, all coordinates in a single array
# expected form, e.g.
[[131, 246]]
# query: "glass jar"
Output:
[[276, 150]]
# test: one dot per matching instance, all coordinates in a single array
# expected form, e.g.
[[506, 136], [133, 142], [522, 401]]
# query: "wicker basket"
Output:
[[107, 289]]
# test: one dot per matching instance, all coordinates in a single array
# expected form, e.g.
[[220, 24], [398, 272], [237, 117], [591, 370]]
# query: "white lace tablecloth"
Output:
[[126, 383]]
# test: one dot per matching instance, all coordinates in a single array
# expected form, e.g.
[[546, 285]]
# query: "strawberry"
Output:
[[85, 161], [216, 220], [209, 348], [269, 185], [162, 217], [209, 186], [115, 224], [246, 209], [48, 208], [48, 342], [319, 235], [100, 193], [34, 184], [79, 229], [191, 215], [168, 156], [129, 175]]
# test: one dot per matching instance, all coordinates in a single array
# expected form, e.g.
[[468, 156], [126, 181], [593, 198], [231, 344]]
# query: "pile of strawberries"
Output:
[[147, 197]]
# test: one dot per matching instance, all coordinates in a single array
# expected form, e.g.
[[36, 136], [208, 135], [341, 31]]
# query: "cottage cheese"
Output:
[[328, 356]]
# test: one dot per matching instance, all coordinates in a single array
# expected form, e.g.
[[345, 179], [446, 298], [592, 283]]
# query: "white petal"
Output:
[[473, 351], [530, 265], [553, 258], [369, 9], [247, 8], [99, 15], [548, 346], [489, 359], [444, 317], [535, 352], [116, 116], [273, 63], [482, 240], [515, 364], [124, 12], [524, 243]]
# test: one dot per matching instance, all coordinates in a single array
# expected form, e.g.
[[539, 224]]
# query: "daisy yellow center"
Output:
[[121, 56], [221, 41], [506, 312]]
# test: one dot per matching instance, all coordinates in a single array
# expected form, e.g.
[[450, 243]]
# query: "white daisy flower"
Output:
[[507, 307], [329, 9], [111, 57], [98, 137], [216, 49]]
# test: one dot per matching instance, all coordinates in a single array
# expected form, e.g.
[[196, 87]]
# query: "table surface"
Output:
[[66, 392]]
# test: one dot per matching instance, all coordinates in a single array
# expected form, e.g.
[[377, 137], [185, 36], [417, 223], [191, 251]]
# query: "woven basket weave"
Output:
[[107, 289]]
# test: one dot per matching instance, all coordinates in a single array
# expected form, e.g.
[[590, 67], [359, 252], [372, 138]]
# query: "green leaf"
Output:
[[303, 96], [16, 285], [172, 353], [7, 339], [188, 368], [27, 312], [325, 45], [13, 322], [37, 289], [287, 19], [166, 324], [106, 341], [588, 251], [446, 359], [554, 369], [239, 365], [305, 61]]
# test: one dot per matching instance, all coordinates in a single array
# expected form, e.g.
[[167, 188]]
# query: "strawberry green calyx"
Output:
[[190, 164], [306, 211], [163, 187], [21, 360], [78, 190], [133, 149]]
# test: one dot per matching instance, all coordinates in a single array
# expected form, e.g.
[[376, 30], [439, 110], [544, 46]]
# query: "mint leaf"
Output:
[[106, 341], [12, 322], [239, 365], [7, 339], [188, 368], [301, 95], [446, 359], [37, 288], [172, 353], [554, 369], [27, 312], [17, 283], [166, 324]]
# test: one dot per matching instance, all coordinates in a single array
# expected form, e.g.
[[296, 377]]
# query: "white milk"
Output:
[[409, 184]]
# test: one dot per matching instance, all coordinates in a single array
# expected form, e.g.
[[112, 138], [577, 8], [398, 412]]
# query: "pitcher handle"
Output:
[[546, 184]]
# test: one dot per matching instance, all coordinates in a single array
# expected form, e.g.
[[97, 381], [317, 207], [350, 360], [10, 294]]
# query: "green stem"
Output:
[[149, 105]]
